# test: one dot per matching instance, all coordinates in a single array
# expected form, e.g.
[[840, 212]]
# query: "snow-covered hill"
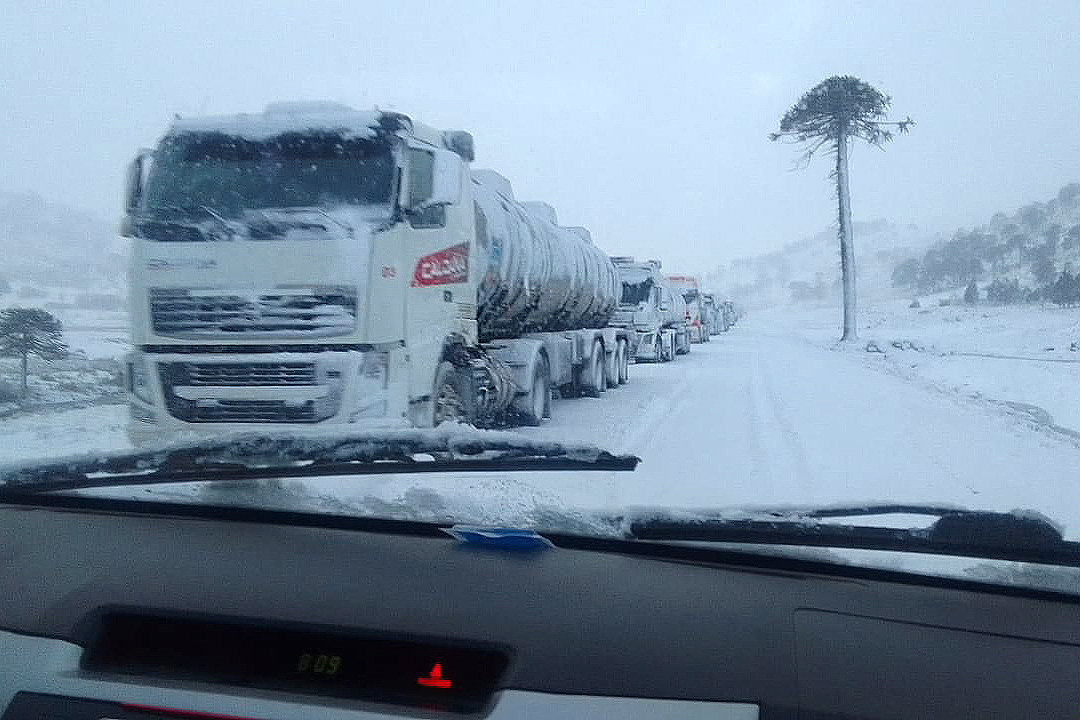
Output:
[[60, 251], [808, 270]]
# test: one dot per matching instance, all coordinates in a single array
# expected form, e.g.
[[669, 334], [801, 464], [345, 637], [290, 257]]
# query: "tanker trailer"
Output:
[[315, 265], [545, 299]]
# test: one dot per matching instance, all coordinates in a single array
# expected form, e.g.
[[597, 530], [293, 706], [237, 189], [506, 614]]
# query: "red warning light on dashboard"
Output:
[[435, 679]]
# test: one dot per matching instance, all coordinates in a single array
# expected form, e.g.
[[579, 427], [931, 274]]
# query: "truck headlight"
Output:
[[139, 380]]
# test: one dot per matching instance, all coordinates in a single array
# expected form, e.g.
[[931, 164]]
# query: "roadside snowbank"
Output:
[[1024, 358]]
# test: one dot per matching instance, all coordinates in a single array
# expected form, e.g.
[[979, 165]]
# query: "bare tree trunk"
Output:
[[25, 392], [847, 249]]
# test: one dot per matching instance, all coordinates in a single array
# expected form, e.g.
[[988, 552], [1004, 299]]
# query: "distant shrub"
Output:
[[1005, 292], [971, 294], [1065, 291], [8, 392]]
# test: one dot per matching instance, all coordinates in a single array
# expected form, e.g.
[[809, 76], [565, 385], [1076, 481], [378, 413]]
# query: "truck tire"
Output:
[[535, 405], [593, 376], [624, 366], [686, 347], [447, 404], [612, 365]]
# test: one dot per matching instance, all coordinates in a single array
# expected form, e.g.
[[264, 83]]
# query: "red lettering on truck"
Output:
[[447, 266]]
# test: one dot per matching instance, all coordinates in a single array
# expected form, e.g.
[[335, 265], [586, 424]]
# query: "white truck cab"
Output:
[[315, 265]]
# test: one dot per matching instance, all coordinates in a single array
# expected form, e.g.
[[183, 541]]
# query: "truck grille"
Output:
[[243, 374], [320, 312], [247, 411], [205, 392]]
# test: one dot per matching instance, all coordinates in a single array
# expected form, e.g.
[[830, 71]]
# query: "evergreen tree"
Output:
[[833, 114], [30, 331]]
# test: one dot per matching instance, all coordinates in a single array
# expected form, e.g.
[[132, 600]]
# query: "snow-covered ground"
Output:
[[763, 416], [49, 433], [1026, 358]]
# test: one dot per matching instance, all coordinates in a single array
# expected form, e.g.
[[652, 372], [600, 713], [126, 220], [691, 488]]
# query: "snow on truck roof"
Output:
[[259, 126], [326, 116]]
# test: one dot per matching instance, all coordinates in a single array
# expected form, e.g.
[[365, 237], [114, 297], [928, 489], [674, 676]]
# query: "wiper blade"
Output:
[[1015, 536], [265, 456]]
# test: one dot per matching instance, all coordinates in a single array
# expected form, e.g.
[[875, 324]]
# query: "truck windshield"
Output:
[[635, 293], [230, 174]]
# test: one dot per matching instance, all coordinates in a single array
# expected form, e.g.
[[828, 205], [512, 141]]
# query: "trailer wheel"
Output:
[[624, 365], [448, 405], [613, 365], [535, 405], [593, 375]]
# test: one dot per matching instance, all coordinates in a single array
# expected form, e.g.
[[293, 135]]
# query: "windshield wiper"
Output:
[[340, 223], [204, 209], [265, 456], [1015, 536]]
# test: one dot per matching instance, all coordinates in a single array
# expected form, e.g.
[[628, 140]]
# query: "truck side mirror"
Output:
[[435, 178], [136, 179], [446, 179]]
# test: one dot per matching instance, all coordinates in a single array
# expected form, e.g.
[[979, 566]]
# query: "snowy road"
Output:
[[751, 419], [754, 418]]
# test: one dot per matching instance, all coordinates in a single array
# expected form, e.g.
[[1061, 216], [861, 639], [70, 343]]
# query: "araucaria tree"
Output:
[[30, 331], [833, 114]]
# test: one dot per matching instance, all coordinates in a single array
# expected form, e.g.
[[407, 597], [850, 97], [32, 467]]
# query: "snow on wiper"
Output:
[[1020, 535], [269, 455]]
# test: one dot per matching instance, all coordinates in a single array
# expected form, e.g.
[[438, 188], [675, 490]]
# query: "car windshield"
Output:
[[791, 256]]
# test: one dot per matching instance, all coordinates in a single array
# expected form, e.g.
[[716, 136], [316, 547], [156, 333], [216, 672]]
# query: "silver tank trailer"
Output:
[[535, 275]]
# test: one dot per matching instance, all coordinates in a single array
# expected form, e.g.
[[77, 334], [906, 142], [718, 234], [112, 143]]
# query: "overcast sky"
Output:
[[645, 122]]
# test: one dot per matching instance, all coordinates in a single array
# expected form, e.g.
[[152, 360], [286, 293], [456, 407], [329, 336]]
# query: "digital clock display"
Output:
[[448, 676]]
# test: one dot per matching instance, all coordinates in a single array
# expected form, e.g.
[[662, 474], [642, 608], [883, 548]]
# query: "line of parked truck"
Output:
[[315, 265]]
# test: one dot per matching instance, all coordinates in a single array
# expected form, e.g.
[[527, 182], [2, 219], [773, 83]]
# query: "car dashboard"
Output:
[[134, 611]]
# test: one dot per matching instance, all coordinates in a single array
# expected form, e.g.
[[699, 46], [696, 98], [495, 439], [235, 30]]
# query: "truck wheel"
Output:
[[612, 365], [446, 400], [593, 376], [624, 366], [535, 405]]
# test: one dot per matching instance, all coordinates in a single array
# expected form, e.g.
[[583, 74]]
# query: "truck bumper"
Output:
[[173, 395], [644, 347]]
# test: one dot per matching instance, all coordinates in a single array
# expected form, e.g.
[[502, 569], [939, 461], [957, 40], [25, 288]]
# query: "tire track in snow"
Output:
[[779, 455], [797, 466], [641, 439], [760, 467]]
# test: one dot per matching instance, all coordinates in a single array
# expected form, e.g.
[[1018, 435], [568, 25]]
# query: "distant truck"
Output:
[[731, 312], [314, 265], [688, 287], [713, 317], [653, 312]]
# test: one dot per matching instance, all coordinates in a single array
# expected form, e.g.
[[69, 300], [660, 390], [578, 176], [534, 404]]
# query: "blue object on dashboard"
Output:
[[502, 538]]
